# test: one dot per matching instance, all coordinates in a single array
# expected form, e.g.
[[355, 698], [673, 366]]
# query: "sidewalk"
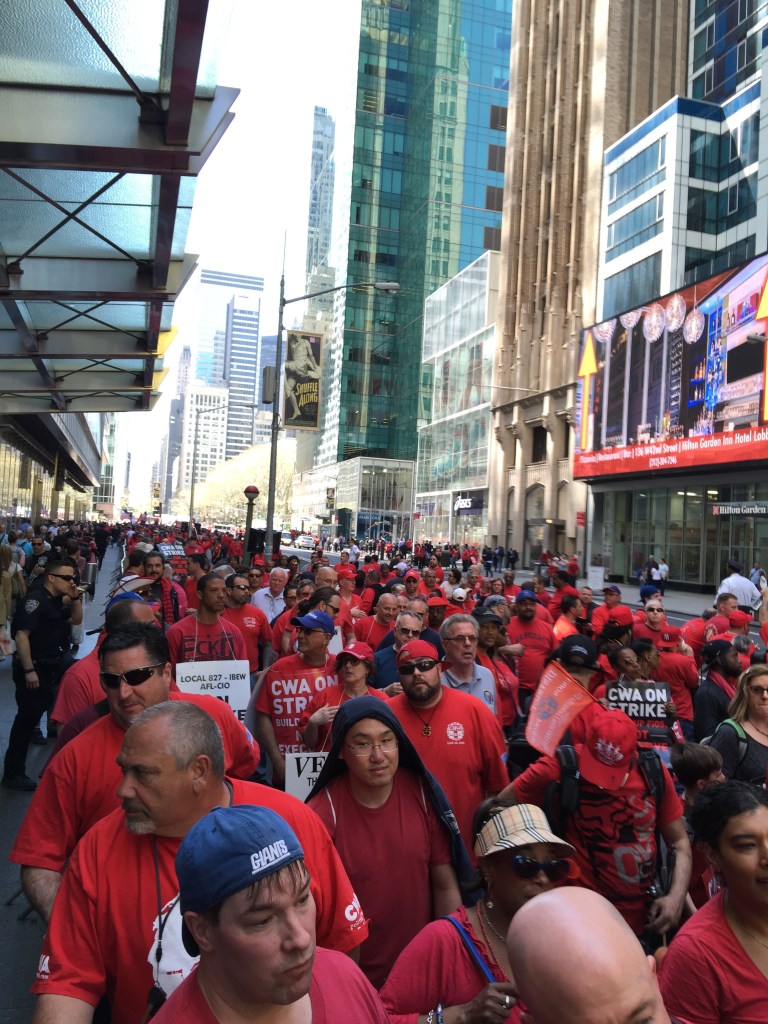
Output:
[[20, 941]]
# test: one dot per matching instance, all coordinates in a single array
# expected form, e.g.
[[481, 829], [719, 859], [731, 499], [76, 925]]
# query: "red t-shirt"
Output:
[[600, 616], [380, 880], [79, 785], [79, 688], [563, 628], [192, 640], [190, 589], [680, 672], [706, 975], [555, 602], [370, 631], [436, 968], [331, 696], [282, 622], [539, 641], [339, 992], [642, 631], [288, 687], [103, 931], [254, 627], [613, 832], [465, 750], [507, 687]]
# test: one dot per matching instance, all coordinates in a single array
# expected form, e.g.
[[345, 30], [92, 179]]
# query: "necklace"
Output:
[[488, 942], [484, 916], [757, 728], [745, 930], [426, 729]]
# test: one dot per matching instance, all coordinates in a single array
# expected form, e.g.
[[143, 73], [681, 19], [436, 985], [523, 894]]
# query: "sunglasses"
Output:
[[408, 632], [527, 867], [425, 665], [241, 586], [653, 608], [58, 576], [134, 676]]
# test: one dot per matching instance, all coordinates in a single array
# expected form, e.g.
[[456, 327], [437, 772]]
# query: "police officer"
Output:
[[41, 629]]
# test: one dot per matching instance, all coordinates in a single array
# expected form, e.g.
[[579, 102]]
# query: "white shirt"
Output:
[[745, 592], [271, 606]]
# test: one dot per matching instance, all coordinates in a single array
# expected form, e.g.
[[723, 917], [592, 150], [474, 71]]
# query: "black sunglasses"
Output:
[[69, 579], [527, 867], [425, 665], [134, 676]]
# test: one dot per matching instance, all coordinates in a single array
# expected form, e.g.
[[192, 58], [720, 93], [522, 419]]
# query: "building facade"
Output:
[[419, 178], [582, 74], [725, 45], [204, 436], [458, 349], [321, 183]]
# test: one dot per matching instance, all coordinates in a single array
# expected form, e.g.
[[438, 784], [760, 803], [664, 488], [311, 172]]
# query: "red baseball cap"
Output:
[[412, 575], [717, 624], [357, 650], [669, 637], [437, 602], [345, 572], [739, 618], [608, 750], [416, 649], [621, 615]]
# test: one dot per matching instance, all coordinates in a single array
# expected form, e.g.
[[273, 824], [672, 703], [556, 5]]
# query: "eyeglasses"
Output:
[[653, 608], [366, 749], [58, 576], [758, 691], [134, 676], [309, 629], [424, 665], [527, 867], [408, 632], [462, 639], [333, 608], [240, 586]]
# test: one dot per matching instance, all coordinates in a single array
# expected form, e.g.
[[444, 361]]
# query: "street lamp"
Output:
[[198, 414], [390, 288], [251, 493]]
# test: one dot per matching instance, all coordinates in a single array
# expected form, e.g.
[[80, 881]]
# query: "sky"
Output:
[[252, 196]]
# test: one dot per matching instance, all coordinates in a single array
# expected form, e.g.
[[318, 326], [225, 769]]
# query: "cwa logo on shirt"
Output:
[[455, 732]]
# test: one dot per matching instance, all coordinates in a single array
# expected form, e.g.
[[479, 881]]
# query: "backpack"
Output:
[[707, 741], [569, 790]]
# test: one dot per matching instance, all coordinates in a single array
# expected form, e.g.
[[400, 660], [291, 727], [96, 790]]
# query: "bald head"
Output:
[[600, 974], [326, 577]]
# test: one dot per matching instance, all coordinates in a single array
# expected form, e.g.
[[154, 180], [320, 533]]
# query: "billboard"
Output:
[[301, 400], [677, 384]]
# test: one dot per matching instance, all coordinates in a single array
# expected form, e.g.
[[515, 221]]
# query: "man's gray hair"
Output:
[[458, 620], [191, 732], [405, 614]]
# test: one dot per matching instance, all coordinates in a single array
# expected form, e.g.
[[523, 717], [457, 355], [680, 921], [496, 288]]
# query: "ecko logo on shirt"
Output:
[[455, 732], [269, 855], [44, 968]]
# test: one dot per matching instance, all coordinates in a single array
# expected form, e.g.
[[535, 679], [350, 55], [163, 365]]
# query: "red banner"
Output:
[[557, 701], [686, 453]]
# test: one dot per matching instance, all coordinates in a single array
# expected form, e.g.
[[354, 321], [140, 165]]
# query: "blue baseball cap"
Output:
[[526, 595], [648, 590], [228, 850], [315, 620]]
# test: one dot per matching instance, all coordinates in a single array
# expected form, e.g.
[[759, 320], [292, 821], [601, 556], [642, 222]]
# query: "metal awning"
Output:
[[107, 113]]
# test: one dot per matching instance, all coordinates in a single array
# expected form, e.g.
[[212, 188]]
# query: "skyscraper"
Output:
[[581, 75], [321, 181], [419, 180]]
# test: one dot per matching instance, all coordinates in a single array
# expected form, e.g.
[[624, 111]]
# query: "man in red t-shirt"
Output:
[[197, 566], [368, 793], [562, 587], [79, 785], [532, 640], [104, 938], [250, 620], [203, 636], [601, 614], [456, 736], [289, 685], [374, 628], [613, 828], [679, 670]]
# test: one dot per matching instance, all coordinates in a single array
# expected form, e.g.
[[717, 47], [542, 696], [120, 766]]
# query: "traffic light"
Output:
[[158, 509]]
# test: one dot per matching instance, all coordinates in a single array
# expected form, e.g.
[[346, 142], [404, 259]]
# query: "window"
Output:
[[637, 175], [539, 445], [741, 54], [496, 156], [498, 120], [733, 198], [494, 198], [492, 239]]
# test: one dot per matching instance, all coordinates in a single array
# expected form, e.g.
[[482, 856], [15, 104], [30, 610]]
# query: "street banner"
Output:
[[301, 772], [301, 401], [557, 701], [230, 681]]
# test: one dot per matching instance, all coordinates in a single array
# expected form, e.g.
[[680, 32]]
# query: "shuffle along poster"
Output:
[[301, 404], [679, 382]]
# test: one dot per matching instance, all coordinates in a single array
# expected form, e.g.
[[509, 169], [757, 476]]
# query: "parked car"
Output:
[[305, 542], [286, 540]]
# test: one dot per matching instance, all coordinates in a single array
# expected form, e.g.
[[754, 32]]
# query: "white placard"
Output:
[[301, 771], [595, 577], [230, 681]]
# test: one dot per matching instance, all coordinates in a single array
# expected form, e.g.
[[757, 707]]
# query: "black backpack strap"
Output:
[[653, 771], [567, 789]]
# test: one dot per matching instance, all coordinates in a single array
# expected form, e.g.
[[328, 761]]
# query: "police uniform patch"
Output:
[[31, 605]]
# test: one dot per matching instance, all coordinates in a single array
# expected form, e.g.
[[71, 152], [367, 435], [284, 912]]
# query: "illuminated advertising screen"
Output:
[[678, 384]]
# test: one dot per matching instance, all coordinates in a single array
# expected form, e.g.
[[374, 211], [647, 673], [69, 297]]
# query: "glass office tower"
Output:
[[419, 200]]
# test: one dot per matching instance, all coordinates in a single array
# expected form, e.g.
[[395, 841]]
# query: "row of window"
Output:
[[713, 212], [717, 157], [635, 227], [637, 175], [703, 263]]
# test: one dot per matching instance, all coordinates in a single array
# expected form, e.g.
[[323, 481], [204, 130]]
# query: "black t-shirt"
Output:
[[48, 620]]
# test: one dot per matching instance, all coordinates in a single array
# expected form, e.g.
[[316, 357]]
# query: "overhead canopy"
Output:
[[107, 113]]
